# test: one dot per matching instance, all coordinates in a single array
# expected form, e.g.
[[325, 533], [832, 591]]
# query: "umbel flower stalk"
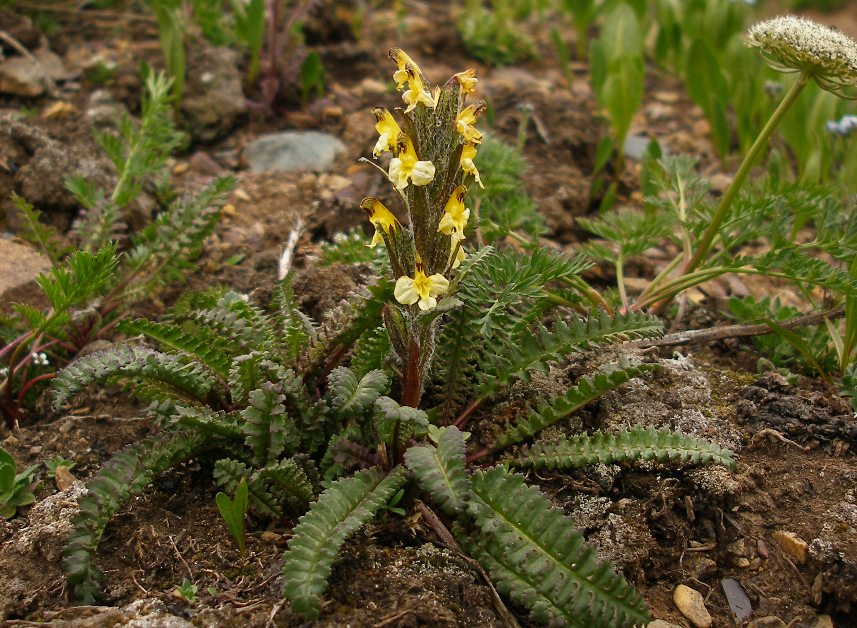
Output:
[[433, 143], [793, 45]]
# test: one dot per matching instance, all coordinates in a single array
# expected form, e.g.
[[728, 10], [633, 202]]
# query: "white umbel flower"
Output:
[[796, 44]]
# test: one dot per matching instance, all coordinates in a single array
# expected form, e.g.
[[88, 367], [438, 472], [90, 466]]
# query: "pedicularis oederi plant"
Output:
[[268, 395], [432, 161]]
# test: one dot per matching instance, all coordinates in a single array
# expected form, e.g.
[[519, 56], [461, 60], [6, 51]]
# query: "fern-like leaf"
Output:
[[126, 474], [267, 425], [390, 416], [340, 511], [371, 352], [640, 443], [296, 328], [34, 231], [228, 473], [529, 352], [440, 470], [200, 343], [288, 479], [534, 555], [149, 374], [552, 410], [352, 396]]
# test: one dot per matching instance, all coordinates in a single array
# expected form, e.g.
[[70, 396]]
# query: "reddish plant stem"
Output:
[[465, 414], [26, 387]]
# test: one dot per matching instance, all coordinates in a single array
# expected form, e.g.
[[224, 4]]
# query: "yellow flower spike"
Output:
[[468, 154], [388, 130], [401, 76], [455, 215], [465, 121], [381, 217], [467, 80], [407, 165], [422, 289]]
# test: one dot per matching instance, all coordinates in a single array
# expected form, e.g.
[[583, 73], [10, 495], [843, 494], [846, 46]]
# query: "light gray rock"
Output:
[[636, 145], [293, 151]]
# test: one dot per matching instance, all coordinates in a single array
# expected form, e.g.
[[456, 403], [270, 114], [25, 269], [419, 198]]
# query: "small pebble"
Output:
[[791, 545], [689, 602], [739, 603], [270, 537], [64, 478], [660, 623], [181, 168], [36, 450], [742, 562], [762, 548]]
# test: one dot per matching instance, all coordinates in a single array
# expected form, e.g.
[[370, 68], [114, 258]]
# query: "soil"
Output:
[[795, 443]]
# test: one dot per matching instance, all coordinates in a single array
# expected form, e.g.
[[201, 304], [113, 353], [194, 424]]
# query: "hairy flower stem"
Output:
[[412, 383], [705, 242]]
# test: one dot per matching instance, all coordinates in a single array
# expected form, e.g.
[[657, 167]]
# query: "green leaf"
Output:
[[706, 85], [340, 511], [555, 409], [440, 470], [352, 397], [233, 512], [639, 443], [389, 414], [200, 342], [535, 556]]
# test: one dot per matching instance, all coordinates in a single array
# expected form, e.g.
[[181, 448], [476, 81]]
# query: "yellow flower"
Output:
[[409, 72], [408, 166], [459, 256], [418, 93], [465, 121], [468, 154], [455, 215], [381, 217], [388, 130], [467, 80], [421, 289], [402, 60]]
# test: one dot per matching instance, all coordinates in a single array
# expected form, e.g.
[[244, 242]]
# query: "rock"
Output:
[[636, 147], [31, 77], [660, 623], [145, 613], [293, 151], [102, 110], [767, 622], [742, 562], [213, 100], [739, 603], [791, 544], [762, 548], [270, 537], [822, 621], [64, 478], [689, 602], [19, 265], [719, 182], [702, 566]]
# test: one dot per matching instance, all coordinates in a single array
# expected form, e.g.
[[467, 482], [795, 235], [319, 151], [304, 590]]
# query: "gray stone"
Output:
[[660, 623], [19, 265], [213, 99], [635, 146], [293, 151], [739, 603]]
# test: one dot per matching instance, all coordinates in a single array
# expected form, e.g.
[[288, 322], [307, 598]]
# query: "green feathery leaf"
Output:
[[340, 511], [552, 410], [440, 470], [534, 555], [639, 443], [352, 397]]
